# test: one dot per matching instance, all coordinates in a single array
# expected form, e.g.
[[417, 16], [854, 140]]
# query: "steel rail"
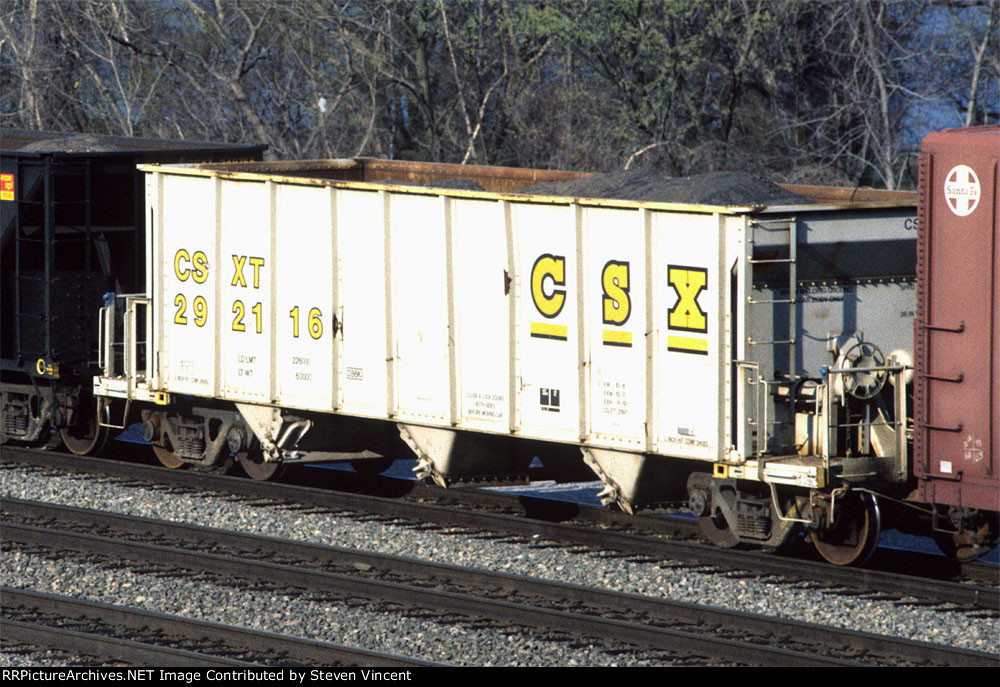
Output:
[[660, 610], [864, 580], [102, 646], [445, 602], [238, 638]]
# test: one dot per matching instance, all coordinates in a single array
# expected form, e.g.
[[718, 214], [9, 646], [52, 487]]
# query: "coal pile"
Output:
[[714, 188], [79, 143]]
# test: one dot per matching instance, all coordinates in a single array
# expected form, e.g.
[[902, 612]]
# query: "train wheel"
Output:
[[704, 502], [717, 530], [965, 546], [854, 535], [959, 546], [225, 466], [257, 468], [88, 436], [54, 442], [167, 458], [4, 437]]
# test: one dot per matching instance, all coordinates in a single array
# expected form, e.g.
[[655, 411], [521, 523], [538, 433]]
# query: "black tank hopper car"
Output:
[[73, 228]]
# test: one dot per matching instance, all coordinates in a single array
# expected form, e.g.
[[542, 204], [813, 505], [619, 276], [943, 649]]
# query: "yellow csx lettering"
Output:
[[239, 261], [688, 282], [47, 369], [617, 301], [196, 266], [548, 268]]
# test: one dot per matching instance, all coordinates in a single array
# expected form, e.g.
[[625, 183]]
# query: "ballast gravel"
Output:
[[415, 634]]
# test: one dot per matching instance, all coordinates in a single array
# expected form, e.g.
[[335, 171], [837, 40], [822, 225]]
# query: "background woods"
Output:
[[835, 91]]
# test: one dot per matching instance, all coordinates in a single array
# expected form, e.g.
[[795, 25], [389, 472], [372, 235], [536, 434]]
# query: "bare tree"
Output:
[[28, 49], [835, 91], [978, 25]]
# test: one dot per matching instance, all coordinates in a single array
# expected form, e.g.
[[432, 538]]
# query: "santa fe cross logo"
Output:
[[961, 190]]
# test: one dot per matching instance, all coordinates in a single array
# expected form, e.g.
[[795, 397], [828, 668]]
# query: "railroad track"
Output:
[[142, 637], [680, 629], [500, 519]]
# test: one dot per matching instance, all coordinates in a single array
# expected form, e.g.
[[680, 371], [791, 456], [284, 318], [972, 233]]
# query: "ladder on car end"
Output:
[[787, 226]]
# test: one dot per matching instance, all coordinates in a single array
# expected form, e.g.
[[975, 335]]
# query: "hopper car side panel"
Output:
[[548, 285], [482, 304], [418, 307], [185, 249], [245, 292], [306, 315], [539, 319], [690, 295], [616, 343], [362, 259]]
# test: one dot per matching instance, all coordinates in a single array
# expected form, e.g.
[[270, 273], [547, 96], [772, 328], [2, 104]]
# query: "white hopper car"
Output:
[[726, 357]]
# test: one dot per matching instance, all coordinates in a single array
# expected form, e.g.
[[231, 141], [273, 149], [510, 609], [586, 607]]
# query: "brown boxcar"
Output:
[[957, 337]]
